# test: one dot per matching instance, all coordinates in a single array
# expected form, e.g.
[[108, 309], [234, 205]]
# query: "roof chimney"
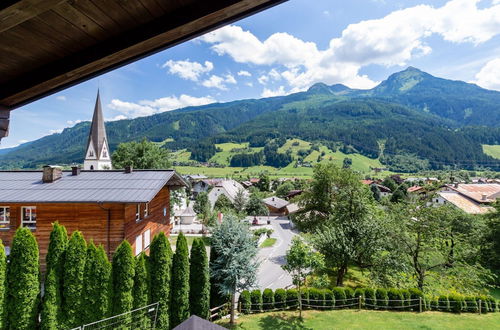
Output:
[[129, 169], [484, 197], [51, 173], [75, 170]]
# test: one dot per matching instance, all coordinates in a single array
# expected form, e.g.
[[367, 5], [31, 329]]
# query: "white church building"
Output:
[[97, 155]]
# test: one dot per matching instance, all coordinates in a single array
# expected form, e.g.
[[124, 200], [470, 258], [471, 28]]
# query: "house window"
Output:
[[104, 153], [138, 213], [138, 244], [91, 153], [28, 217], [146, 210], [147, 238], [4, 217]]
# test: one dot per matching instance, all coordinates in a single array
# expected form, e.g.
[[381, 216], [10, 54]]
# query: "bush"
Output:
[[396, 299], [268, 299], [199, 280], [456, 303], [280, 298], [471, 305], [381, 296], [349, 294], [443, 303], [304, 295], [245, 302], [340, 297], [370, 298], [482, 303], [415, 296], [316, 297], [179, 283], [329, 298], [434, 304], [493, 304], [292, 296], [256, 299], [407, 296]]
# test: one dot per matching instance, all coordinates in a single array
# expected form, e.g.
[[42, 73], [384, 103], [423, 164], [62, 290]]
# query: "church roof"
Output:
[[97, 133]]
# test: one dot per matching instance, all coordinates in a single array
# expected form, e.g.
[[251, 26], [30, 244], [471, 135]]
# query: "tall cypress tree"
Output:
[[199, 280], [123, 270], [74, 267], [141, 291], [180, 283], [96, 281], [52, 316], [3, 283], [216, 297], [23, 281], [160, 258]]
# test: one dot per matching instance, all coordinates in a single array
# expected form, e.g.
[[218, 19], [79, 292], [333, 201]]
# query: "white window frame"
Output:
[[147, 238], [138, 213], [146, 210], [25, 223], [4, 219], [138, 244]]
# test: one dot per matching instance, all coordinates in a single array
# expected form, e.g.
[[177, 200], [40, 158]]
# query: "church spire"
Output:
[[97, 151]]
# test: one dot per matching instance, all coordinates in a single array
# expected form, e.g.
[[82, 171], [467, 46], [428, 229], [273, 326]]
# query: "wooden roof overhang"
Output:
[[48, 45]]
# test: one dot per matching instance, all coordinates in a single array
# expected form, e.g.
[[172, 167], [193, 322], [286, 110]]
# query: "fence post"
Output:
[[359, 302], [420, 304], [239, 306], [480, 306]]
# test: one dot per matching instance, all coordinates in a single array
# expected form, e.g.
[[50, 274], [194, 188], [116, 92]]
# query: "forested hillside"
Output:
[[410, 118]]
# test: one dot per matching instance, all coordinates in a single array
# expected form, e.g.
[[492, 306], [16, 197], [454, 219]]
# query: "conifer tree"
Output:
[[23, 281], [160, 260], [3, 283], [96, 281], [199, 280], [180, 283], [74, 267], [52, 316], [123, 270], [141, 291], [216, 297]]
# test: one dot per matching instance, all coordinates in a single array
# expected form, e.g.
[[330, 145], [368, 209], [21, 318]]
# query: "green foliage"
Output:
[[96, 285], [122, 272], [280, 298], [292, 295], [49, 316], [457, 303], [223, 204], [284, 188], [471, 304], [245, 302], [3, 283], [349, 292], [160, 258], [340, 296], [256, 299], [179, 294], [202, 205], [141, 155], [443, 303], [370, 298], [359, 292], [255, 206], [268, 299], [316, 297], [396, 298], [199, 280], [240, 200], [141, 291], [490, 251], [23, 282], [382, 298], [407, 296], [329, 297], [73, 275]]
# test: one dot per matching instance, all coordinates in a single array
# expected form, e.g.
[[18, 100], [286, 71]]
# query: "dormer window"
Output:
[[91, 153], [104, 153]]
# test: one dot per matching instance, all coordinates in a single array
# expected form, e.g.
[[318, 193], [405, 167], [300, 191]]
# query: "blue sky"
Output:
[[284, 50]]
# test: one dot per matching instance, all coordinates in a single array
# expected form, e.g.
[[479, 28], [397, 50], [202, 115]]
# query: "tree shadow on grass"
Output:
[[282, 322]]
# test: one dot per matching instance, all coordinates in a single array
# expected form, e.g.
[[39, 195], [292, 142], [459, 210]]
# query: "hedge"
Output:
[[381, 295], [292, 297], [370, 297], [396, 298], [471, 304], [245, 302], [407, 296], [456, 303], [443, 303], [280, 298], [329, 297], [316, 297], [340, 297], [268, 300], [256, 299]]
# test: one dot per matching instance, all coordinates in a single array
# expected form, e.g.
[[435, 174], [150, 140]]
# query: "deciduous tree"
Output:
[[142, 155]]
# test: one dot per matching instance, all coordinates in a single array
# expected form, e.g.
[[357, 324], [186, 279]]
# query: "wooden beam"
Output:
[[4, 123], [21, 11], [166, 31]]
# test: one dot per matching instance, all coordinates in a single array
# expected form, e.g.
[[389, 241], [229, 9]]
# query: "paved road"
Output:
[[270, 274]]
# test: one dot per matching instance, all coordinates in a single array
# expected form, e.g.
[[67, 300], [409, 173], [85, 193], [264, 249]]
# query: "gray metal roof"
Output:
[[197, 323], [140, 186]]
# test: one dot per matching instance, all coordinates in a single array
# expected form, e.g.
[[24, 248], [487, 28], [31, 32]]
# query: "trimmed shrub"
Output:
[[492, 303], [292, 297], [50, 302], [256, 299], [349, 294], [381, 296], [434, 303], [370, 298], [471, 305], [199, 280], [456, 302], [340, 297], [406, 296], [179, 292], [122, 274], [316, 297], [280, 298], [329, 298], [268, 300], [304, 295], [396, 299], [415, 296], [359, 292], [160, 261], [141, 291], [483, 304], [443, 303], [245, 302]]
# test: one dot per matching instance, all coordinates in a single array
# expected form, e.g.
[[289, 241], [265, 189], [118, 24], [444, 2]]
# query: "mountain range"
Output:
[[410, 118]]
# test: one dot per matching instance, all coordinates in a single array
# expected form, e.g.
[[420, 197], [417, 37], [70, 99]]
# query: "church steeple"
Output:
[[97, 152]]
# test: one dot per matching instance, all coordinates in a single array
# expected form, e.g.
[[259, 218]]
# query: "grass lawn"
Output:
[[352, 319], [189, 239], [492, 150], [268, 242]]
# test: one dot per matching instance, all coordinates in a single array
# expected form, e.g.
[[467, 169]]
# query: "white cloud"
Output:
[[22, 141], [61, 98], [187, 69], [244, 73], [115, 118], [249, 84], [54, 131], [74, 122], [219, 82], [270, 93], [489, 75], [151, 107], [326, 12], [263, 79], [392, 40], [275, 75]]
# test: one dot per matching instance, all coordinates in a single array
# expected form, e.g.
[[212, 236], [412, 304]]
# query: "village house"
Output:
[[204, 185], [227, 187], [471, 198], [275, 205]]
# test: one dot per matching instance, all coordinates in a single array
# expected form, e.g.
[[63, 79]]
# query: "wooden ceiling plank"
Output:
[[136, 10], [66, 27], [153, 7], [24, 10], [81, 21], [59, 35], [116, 12], [89, 9]]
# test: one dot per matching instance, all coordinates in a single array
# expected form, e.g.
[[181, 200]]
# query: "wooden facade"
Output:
[[107, 224]]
